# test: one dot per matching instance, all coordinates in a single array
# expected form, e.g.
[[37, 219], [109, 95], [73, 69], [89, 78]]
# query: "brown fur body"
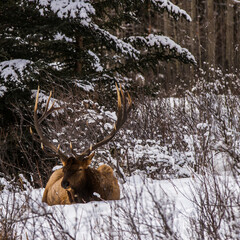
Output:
[[84, 185]]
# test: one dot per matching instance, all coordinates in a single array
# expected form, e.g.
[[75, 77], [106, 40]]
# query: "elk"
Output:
[[76, 182]]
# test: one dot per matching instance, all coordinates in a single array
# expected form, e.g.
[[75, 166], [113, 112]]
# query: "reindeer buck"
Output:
[[76, 182]]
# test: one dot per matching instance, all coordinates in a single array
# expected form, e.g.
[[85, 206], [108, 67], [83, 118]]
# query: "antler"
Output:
[[124, 107], [44, 141]]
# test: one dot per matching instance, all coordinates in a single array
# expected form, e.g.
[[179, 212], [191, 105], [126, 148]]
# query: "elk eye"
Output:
[[80, 169]]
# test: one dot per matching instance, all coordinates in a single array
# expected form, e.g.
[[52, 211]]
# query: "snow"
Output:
[[141, 197], [3, 89], [72, 9], [87, 215], [8, 69], [86, 86], [17, 73], [83, 9], [172, 8], [14, 74], [144, 202], [120, 46], [96, 62], [59, 37], [141, 200], [159, 41]]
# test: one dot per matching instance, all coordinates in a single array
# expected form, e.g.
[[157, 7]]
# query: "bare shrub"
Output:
[[24, 216], [178, 135], [163, 137], [216, 203], [145, 213]]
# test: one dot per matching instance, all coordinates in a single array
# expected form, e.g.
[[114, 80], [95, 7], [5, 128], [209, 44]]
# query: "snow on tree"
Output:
[[75, 44], [14, 74], [80, 37]]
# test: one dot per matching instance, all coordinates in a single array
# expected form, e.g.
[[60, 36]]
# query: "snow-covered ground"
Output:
[[148, 209], [201, 206]]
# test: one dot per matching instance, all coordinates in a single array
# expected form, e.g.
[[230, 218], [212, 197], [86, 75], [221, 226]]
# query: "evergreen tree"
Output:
[[76, 42]]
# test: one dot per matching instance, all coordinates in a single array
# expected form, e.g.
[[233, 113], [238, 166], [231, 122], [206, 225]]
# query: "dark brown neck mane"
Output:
[[87, 187]]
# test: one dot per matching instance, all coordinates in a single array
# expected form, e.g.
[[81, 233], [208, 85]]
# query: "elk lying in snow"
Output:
[[76, 182]]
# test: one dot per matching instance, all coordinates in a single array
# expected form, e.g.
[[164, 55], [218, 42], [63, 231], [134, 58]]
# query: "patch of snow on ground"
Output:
[[92, 220]]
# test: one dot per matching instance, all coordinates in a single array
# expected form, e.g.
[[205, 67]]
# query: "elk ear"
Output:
[[89, 159], [68, 161]]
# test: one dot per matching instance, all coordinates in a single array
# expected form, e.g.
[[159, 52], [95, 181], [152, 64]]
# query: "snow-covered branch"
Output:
[[118, 44], [171, 8], [96, 61], [159, 41], [12, 73], [71, 9]]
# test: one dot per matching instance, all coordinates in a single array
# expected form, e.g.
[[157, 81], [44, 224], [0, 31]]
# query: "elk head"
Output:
[[74, 171], [74, 167]]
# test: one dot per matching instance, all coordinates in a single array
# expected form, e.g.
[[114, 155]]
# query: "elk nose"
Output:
[[65, 184]]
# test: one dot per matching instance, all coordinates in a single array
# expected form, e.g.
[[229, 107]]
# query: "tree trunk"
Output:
[[229, 35], [79, 43], [167, 72], [237, 35], [149, 18], [211, 44], [199, 43], [193, 27]]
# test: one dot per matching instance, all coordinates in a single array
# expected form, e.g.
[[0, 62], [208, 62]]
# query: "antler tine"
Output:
[[47, 111], [72, 150], [123, 111], [124, 107], [46, 108], [44, 140], [121, 104]]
